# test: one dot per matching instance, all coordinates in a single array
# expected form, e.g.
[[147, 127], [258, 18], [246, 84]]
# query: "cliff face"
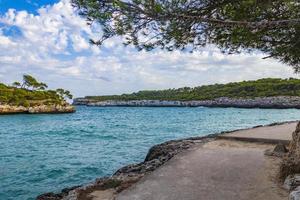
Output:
[[291, 163], [259, 102], [8, 109]]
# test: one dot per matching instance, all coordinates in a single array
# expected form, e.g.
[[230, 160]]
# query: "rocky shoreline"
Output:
[[41, 109], [279, 102], [130, 174]]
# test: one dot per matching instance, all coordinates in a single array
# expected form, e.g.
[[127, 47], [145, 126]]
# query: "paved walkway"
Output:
[[271, 134], [219, 170]]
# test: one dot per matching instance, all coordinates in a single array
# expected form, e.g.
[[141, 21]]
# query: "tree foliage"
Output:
[[64, 94], [31, 82], [247, 89], [272, 27], [30, 93]]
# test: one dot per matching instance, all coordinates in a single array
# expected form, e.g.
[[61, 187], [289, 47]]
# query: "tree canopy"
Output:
[[31, 92], [267, 87], [272, 27], [31, 82]]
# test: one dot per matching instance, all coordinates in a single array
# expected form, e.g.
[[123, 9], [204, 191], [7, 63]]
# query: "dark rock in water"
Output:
[[59, 196], [49, 196]]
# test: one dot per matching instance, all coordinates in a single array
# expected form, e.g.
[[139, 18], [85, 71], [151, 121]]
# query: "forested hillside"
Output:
[[247, 89], [31, 92]]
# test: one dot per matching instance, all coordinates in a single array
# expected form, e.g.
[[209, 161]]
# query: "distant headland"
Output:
[[30, 96], [262, 93]]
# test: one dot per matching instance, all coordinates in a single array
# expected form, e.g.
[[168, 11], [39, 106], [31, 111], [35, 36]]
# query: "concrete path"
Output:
[[270, 134], [219, 170]]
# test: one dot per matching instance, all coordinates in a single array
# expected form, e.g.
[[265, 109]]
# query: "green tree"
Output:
[[272, 27], [42, 86], [29, 81], [64, 93], [16, 84]]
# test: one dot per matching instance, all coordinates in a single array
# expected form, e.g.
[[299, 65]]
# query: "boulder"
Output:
[[280, 148], [295, 194], [291, 182], [291, 163]]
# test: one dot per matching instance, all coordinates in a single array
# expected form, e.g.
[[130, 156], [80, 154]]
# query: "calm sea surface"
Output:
[[42, 153]]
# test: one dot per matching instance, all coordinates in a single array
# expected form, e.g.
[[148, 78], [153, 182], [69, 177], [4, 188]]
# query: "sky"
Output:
[[47, 39]]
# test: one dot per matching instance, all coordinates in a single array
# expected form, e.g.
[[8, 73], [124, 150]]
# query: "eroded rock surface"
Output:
[[291, 163], [258, 102], [126, 176], [8, 109]]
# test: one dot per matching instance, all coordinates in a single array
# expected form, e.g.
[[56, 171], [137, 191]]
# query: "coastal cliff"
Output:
[[258, 102], [31, 96], [9, 109]]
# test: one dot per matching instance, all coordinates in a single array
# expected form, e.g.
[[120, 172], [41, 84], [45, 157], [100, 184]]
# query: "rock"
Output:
[[291, 182], [51, 109], [291, 163], [258, 102], [280, 148], [126, 176], [49, 196], [8, 109], [295, 194]]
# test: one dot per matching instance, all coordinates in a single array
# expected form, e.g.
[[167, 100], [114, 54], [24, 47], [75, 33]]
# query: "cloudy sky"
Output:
[[45, 38]]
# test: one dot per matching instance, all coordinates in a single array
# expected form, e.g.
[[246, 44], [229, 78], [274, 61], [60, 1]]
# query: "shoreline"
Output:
[[126, 176], [278, 102], [41, 109]]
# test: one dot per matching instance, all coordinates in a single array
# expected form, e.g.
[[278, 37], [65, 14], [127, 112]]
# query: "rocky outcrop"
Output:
[[290, 166], [128, 175], [8, 109], [291, 163], [259, 102]]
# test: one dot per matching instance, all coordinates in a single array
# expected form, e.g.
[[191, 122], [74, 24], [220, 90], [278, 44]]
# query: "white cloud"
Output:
[[54, 46]]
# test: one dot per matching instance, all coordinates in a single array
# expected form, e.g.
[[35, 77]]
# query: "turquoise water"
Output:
[[42, 153]]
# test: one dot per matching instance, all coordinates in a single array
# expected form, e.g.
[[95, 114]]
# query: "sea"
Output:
[[48, 152]]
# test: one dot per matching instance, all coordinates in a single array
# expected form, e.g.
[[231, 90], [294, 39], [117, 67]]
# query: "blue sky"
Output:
[[29, 5], [47, 39]]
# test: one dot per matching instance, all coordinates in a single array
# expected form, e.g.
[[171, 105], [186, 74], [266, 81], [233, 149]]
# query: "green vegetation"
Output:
[[247, 89], [31, 92], [272, 27]]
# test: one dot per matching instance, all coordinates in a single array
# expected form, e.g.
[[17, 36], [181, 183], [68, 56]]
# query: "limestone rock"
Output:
[[258, 102], [292, 181], [8, 109], [291, 163], [295, 194]]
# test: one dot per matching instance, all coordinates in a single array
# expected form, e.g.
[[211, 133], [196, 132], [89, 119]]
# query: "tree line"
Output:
[[267, 87]]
